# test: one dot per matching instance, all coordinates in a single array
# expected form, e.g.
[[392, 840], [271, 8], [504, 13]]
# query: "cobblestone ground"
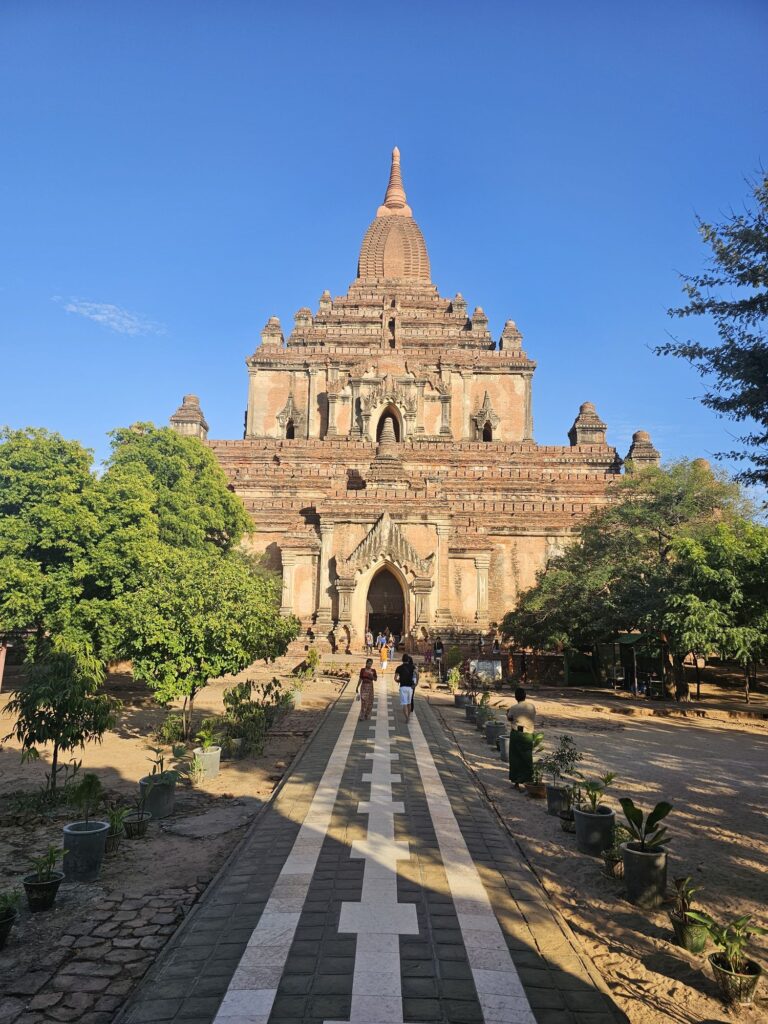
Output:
[[377, 887]]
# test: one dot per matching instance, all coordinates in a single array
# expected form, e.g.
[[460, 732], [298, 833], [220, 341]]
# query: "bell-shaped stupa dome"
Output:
[[394, 247]]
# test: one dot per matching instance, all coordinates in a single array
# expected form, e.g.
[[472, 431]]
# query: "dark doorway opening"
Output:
[[487, 432], [388, 415], [385, 606], [290, 431]]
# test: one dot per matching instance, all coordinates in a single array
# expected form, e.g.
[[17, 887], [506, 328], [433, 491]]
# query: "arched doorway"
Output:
[[487, 432], [388, 414], [385, 604], [290, 431]]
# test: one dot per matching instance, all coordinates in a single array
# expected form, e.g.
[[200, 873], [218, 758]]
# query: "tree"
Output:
[[625, 571], [61, 705], [200, 616], [192, 502], [734, 292]]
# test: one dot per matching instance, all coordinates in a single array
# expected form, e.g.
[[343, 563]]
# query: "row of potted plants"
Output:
[[634, 851]]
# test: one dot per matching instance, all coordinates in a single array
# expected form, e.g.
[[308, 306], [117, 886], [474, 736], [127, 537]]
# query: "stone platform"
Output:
[[375, 888]]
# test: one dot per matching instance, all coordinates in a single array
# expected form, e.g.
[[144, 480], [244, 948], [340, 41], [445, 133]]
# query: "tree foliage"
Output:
[[675, 554], [200, 617], [734, 292], [61, 705]]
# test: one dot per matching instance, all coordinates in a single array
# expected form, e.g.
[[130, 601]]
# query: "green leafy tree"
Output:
[[734, 292], [199, 617], [192, 501], [61, 705], [633, 567]]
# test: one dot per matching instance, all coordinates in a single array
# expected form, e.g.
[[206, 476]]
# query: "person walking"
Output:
[[415, 681], [437, 651], [392, 645], [522, 717], [368, 642], [404, 678], [383, 657], [364, 688]]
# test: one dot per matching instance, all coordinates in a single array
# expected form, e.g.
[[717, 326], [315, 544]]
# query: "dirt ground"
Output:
[[111, 930], [716, 776]]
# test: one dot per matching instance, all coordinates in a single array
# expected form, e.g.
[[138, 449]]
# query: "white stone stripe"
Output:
[[499, 989], [378, 919], [253, 987]]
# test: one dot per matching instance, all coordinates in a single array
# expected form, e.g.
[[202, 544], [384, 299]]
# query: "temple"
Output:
[[388, 461]]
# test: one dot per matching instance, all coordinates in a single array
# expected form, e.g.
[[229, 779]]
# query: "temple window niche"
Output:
[[290, 430], [486, 421], [388, 416], [487, 432]]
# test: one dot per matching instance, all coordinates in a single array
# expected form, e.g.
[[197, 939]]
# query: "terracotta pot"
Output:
[[535, 790]]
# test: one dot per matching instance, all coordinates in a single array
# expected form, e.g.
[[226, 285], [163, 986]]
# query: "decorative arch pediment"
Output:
[[485, 414], [386, 541], [389, 391], [291, 411]]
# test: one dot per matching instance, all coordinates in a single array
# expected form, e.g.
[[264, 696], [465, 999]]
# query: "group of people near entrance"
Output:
[[406, 676]]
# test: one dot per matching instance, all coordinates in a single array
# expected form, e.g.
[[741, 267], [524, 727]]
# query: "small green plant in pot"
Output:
[[43, 883], [9, 908], [557, 763], [736, 976], [85, 841], [572, 797], [536, 788], [209, 752], [613, 856], [136, 822], [159, 787], [594, 821], [688, 934], [116, 816], [645, 857]]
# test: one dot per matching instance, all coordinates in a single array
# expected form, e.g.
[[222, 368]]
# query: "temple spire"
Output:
[[394, 198]]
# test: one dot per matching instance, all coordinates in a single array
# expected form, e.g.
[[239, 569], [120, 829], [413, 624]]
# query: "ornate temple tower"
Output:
[[388, 460]]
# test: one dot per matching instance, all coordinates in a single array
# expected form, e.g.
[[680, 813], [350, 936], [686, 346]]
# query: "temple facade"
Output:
[[388, 460]]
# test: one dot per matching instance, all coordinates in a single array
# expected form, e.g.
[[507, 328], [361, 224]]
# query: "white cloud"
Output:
[[113, 317]]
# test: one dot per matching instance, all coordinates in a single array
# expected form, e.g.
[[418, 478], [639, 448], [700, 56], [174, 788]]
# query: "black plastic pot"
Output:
[[594, 832], [555, 796], [735, 988], [567, 821], [460, 700], [159, 794], [470, 710], [6, 923], [645, 875], [689, 934], [135, 824], [85, 843], [40, 895]]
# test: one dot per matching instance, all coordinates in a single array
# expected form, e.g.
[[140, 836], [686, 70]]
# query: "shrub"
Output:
[[171, 729]]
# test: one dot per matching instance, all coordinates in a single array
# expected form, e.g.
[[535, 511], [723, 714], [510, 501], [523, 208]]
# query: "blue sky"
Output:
[[174, 172]]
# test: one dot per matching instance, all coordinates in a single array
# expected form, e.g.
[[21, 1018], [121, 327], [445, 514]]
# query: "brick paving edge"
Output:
[[594, 974]]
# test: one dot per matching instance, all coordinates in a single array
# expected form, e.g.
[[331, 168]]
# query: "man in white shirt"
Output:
[[522, 717]]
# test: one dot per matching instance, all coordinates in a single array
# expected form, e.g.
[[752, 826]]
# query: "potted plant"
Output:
[[159, 787], [535, 788], [735, 975], [645, 859], [116, 816], [559, 762], [594, 821], [572, 797], [613, 856], [453, 680], [135, 823], [9, 908], [42, 885], [689, 934], [85, 841], [493, 729], [209, 752]]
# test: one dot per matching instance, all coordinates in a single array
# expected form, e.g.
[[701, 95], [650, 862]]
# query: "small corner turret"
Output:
[[587, 428], [188, 419], [642, 451]]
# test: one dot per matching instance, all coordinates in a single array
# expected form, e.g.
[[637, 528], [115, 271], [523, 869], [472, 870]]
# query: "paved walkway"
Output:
[[376, 889]]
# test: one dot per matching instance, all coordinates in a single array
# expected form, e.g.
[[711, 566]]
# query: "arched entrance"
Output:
[[385, 604]]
